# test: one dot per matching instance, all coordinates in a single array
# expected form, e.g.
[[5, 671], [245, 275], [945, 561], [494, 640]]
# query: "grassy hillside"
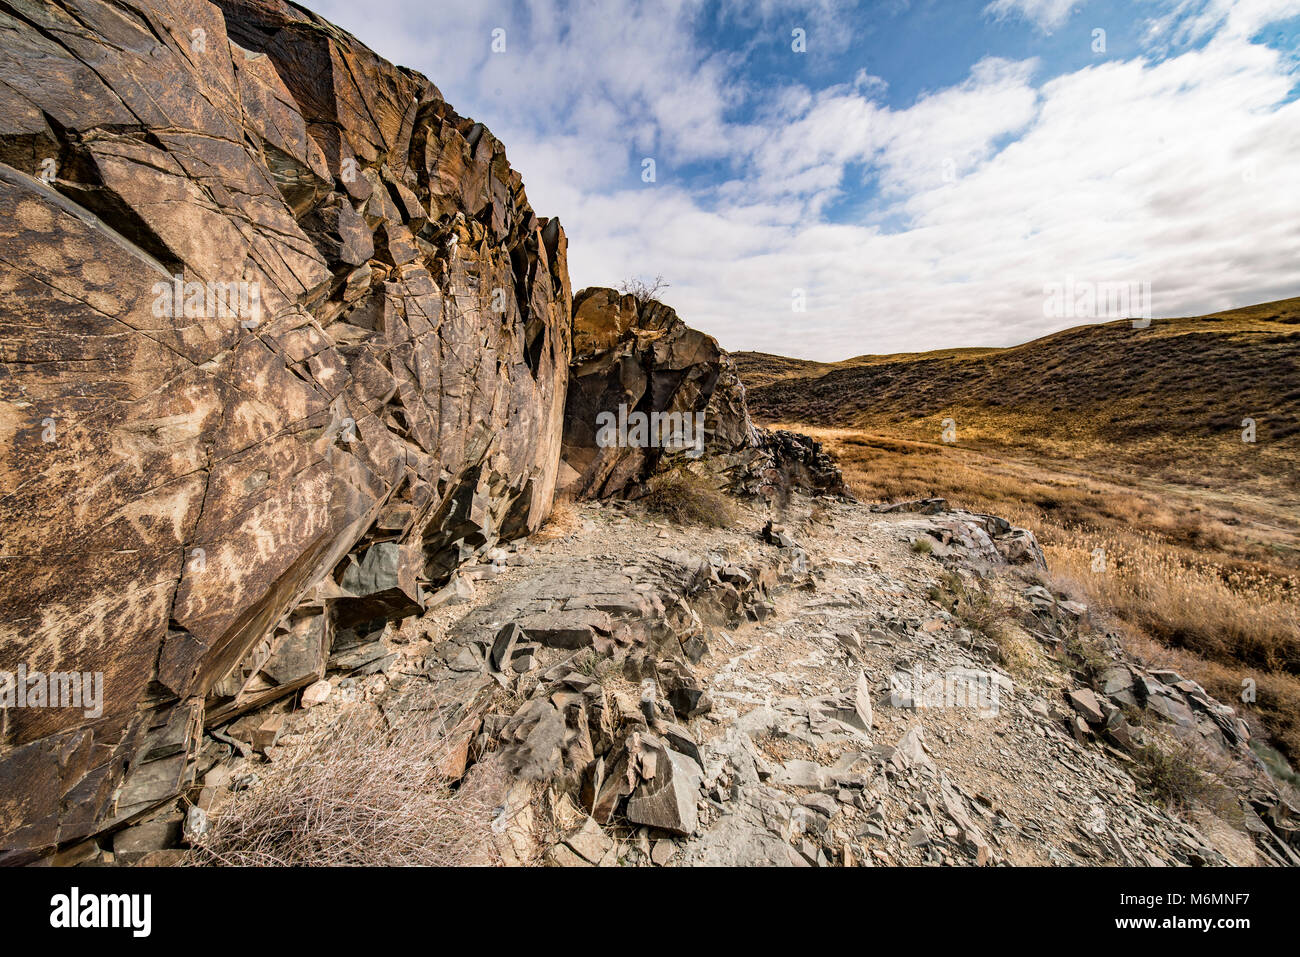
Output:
[[1105, 436], [1168, 400], [761, 368]]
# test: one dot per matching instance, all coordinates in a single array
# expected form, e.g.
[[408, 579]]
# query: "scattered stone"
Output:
[[135, 842], [196, 826], [1084, 701], [821, 803], [561, 855], [504, 643], [668, 799], [316, 693], [663, 852], [591, 842]]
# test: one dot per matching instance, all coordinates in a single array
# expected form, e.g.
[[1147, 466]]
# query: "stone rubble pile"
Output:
[[780, 697], [985, 538], [809, 758]]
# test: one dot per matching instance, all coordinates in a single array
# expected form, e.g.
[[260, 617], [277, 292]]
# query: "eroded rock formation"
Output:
[[637, 365], [281, 344], [633, 359]]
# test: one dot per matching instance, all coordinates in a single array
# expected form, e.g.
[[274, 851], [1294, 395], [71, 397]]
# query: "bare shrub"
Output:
[[358, 793], [1173, 776], [1015, 649], [969, 604], [685, 498], [641, 290]]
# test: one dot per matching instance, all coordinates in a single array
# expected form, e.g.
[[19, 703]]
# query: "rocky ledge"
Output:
[[821, 692]]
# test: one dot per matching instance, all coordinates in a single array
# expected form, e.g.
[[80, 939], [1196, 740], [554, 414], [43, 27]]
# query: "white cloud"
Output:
[[1188, 21], [1178, 171], [1046, 14], [1116, 178]]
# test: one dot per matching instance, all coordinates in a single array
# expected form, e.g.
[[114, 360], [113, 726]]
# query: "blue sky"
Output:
[[915, 178]]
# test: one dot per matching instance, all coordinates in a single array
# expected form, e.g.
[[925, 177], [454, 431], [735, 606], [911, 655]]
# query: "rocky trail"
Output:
[[750, 696]]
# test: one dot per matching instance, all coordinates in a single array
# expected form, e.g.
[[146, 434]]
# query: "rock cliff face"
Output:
[[640, 358], [281, 344], [635, 365]]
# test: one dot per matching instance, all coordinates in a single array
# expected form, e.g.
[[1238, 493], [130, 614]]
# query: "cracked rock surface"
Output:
[[639, 358], [374, 396]]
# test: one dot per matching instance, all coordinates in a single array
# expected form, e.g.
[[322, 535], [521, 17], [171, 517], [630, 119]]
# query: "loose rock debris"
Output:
[[741, 702]]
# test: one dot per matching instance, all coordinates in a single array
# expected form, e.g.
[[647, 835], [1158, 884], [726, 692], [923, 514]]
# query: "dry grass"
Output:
[[1166, 402], [969, 604], [1188, 603], [561, 523], [1016, 649], [685, 498], [1224, 629], [1172, 774], [977, 610], [356, 793]]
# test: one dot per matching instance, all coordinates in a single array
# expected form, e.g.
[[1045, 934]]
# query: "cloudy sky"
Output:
[[834, 178]]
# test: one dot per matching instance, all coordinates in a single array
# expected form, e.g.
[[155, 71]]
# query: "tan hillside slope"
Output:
[[1167, 401]]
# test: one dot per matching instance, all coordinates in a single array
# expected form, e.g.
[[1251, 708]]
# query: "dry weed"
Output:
[[685, 498], [563, 521], [358, 793]]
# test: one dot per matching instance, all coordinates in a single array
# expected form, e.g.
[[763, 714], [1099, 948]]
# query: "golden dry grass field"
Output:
[[1113, 438]]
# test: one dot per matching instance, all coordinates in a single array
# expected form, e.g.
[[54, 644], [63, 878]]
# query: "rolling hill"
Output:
[[1168, 400]]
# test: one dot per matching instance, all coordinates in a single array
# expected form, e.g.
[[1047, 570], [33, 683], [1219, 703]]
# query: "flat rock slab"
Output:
[[566, 629], [1084, 701], [669, 801]]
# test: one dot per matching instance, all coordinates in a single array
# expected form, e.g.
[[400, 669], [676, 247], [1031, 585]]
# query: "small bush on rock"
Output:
[[358, 793], [687, 499], [1171, 775]]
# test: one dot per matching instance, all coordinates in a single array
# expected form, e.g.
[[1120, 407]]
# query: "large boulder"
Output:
[[633, 360], [646, 390], [281, 343]]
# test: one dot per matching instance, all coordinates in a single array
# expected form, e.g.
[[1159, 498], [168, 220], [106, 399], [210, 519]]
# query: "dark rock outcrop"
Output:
[[633, 359], [646, 391], [355, 383]]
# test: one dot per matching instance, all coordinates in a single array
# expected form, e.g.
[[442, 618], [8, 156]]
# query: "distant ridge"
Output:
[[1132, 390]]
